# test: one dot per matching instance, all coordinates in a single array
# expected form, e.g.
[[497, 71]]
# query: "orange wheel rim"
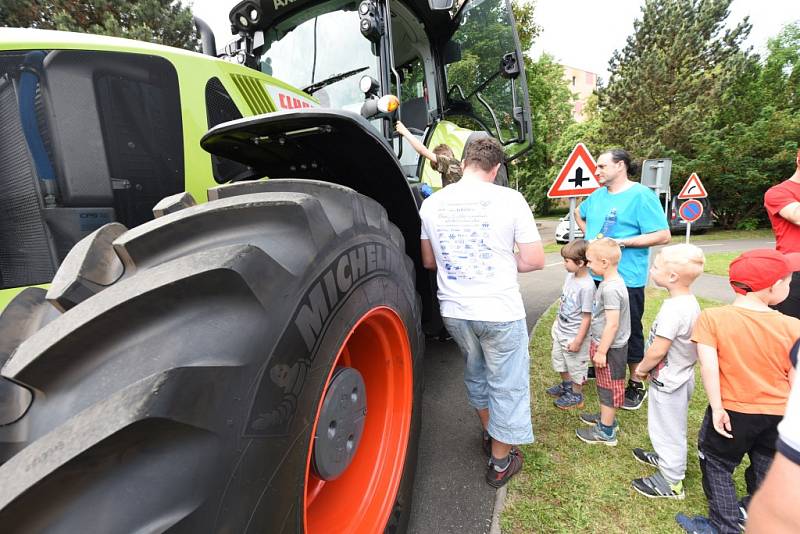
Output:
[[361, 499]]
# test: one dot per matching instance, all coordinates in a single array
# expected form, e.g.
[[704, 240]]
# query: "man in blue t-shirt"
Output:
[[631, 214]]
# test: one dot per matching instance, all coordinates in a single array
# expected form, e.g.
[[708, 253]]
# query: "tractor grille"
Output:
[[25, 257], [253, 93]]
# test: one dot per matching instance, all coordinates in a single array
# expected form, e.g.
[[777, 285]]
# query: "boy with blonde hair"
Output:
[[610, 331], [743, 350], [669, 361], [570, 354]]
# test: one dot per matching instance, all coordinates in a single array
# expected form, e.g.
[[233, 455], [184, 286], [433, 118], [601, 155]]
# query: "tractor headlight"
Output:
[[388, 103], [368, 85]]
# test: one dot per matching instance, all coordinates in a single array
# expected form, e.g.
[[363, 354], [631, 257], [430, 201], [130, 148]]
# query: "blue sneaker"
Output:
[[695, 525], [569, 400], [559, 389]]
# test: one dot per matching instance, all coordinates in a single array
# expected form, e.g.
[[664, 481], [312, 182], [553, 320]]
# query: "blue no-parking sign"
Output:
[[691, 210]]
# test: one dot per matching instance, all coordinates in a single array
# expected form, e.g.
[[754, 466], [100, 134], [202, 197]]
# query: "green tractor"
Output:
[[252, 363]]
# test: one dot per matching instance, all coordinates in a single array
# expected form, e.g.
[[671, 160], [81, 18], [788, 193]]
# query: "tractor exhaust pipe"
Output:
[[207, 39]]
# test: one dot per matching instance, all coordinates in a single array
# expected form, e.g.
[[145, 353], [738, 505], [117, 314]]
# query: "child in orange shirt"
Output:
[[744, 360]]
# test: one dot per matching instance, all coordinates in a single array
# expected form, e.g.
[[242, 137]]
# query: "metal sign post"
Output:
[[572, 204], [690, 211]]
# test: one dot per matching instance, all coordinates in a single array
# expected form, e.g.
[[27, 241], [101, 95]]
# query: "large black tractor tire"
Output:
[[195, 381]]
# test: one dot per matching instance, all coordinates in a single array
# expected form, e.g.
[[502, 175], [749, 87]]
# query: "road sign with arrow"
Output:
[[693, 188], [577, 177]]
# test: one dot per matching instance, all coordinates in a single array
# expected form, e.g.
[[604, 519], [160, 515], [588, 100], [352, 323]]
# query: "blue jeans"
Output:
[[496, 374]]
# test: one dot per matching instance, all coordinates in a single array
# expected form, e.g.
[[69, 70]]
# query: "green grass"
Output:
[[715, 235], [719, 235], [568, 486], [718, 262]]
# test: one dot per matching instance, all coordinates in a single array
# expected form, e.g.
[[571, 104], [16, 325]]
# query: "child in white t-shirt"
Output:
[[570, 354], [669, 362]]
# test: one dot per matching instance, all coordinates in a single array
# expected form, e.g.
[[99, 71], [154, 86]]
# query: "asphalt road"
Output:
[[450, 495]]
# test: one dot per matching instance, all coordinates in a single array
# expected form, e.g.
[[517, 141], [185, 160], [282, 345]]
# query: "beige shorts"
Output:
[[574, 363]]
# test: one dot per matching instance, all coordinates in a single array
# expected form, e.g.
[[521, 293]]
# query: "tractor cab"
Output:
[[453, 71]]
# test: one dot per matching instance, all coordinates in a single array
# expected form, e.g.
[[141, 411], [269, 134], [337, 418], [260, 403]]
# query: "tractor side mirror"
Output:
[[440, 5], [451, 53], [509, 66]]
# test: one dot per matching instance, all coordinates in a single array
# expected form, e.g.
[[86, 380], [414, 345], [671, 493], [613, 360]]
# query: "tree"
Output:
[[166, 22], [527, 29], [752, 138], [672, 70], [684, 88], [551, 106], [781, 74]]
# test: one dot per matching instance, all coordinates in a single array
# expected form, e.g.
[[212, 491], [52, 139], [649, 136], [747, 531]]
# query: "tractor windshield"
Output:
[[322, 48]]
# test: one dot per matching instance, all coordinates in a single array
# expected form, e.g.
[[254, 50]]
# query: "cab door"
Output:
[[484, 75]]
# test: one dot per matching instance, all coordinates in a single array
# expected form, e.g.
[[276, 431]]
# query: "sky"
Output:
[[582, 33], [585, 33]]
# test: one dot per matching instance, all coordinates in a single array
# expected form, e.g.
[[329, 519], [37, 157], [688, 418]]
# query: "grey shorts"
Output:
[[574, 363]]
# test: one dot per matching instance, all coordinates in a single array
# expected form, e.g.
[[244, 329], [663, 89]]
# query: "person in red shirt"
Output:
[[782, 202]]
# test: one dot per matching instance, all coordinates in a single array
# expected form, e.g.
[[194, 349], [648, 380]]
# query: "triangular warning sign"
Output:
[[577, 177], [693, 188]]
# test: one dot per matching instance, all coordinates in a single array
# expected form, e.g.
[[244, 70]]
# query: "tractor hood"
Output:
[[304, 143]]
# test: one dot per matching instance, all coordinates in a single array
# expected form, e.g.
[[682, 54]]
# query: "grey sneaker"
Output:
[[657, 487], [590, 419], [635, 394], [559, 389], [596, 435], [646, 457], [569, 400]]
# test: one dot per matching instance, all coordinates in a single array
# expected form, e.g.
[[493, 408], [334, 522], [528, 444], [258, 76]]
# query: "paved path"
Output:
[[450, 496], [716, 287]]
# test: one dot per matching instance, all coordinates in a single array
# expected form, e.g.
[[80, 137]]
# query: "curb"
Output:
[[500, 496], [499, 503]]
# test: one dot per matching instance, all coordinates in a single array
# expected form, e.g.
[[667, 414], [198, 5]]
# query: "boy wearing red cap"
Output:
[[744, 361]]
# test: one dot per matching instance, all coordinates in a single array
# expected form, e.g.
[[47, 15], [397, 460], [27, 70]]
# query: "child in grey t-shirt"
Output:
[[570, 354], [610, 330], [669, 361]]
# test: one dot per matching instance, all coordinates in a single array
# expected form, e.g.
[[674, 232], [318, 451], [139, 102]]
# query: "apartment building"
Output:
[[582, 83]]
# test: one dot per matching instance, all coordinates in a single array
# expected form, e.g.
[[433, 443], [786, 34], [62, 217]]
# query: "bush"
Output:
[[750, 223]]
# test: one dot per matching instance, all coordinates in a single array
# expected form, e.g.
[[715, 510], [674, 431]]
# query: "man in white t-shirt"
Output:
[[469, 231], [774, 509]]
